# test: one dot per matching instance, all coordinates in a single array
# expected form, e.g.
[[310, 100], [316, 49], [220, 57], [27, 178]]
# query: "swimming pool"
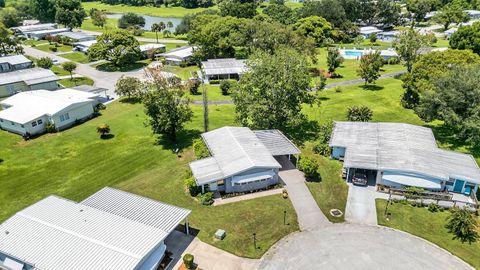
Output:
[[353, 53]]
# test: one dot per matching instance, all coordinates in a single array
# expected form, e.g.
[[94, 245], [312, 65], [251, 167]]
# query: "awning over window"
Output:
[[411, 180], [252, 177]]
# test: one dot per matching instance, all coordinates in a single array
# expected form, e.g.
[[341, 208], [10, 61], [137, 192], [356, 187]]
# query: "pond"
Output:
[[149, 20]]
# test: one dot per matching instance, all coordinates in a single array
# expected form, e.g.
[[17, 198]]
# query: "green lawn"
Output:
[[76, 163], [145, 10], [76, 57], [59, 71], [213, 91], [34, 42], [75, 82], [60, 48], [348, 69], [430, 226], [109, 67], [183, 72]]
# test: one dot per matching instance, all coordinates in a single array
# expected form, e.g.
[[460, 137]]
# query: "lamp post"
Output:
[[284, 217], [254, 241]]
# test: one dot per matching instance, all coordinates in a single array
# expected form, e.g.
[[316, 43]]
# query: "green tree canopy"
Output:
[[467, 37], [70, 67], [463, 225], [117, 46], [455, 99], [451, 13], [127, 86], [10, 17], [9, 44], [281, 13], [44, 62], [315, 27], [69, 13], [407, 46], [43, 10], [369, 68], [238, 8], [165, 105], [271, 93], [131, 19], [99, 18], [334, 59], [419, 9]]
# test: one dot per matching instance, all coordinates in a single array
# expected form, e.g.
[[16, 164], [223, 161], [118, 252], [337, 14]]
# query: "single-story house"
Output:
[[30, 22], [450, 32], [473, 14], [367, 31], [41, 34], [27, 113], [26, 80], [402, 155], [152, 47], [241, 159], [387, 36], [14, 62], [178, 56], [101, 92], [110, 230], [226, 68], [430, 15], [23, 30], [83, 46], [77, 36]]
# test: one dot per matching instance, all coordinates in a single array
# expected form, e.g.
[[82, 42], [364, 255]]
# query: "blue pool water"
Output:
[[353, 53]]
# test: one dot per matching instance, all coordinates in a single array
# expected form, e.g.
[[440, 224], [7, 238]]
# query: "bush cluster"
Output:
[[200, 149], [207, 198], [309, 167]]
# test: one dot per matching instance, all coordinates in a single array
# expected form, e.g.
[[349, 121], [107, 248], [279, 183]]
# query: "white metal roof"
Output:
[[50, 31], [404, 147], [86, 44], [35, 27], [223, 66], [276, 142], [77, 35], [15, 59], [235, 150], [181, 53], [412, 181], [30, 105], [151, 46], [366, 30], [28, 75], [58, 234], [153, 213]]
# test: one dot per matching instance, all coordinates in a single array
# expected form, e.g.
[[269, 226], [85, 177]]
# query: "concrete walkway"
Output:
[[359, 81], [220, 201], [358, 247], [206, 256], [309, 215]]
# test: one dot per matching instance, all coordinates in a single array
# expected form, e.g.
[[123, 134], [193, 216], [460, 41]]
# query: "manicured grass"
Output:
[[430, 226], [109, 67], [332, 191], [76, 163], [146, 10], [348, 69], [183, 72], [75, 82], [442, 43], [76, 57], [59, 71], [60, 48], [34, 42], [213, 91]]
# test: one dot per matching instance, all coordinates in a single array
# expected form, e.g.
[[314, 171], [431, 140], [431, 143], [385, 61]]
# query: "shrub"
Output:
[[338, 89], [463, 225], [225, 86], [214, 81], [325, 132], [207, 198], [309, 167], [393, 61], [359, 113], [45, 62], [103, 130], [192, 187], [321, 148], [193, 85], [50, 127], [188, 260], [200, 149], [433, 207], [53, 49], [100, 106]]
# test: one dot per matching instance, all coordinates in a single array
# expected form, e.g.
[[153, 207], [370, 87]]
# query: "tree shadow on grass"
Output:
[[109, 67], [107, 136], [371, 87], [130, 100], [302, 131], [184, 140], [448, 137]]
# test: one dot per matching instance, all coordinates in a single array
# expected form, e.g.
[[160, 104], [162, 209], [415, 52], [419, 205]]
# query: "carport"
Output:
[[371, 175], [281, 148]]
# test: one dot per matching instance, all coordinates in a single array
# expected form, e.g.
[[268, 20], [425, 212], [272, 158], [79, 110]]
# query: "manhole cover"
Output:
[[336, 213]]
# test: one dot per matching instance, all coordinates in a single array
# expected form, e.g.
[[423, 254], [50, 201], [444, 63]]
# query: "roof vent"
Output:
[[7, 232]]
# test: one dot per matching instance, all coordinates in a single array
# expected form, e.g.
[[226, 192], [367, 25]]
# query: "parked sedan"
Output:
[[360, 178]]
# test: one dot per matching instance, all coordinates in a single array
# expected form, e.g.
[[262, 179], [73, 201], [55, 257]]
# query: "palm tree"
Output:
[[158, 27], [463, 225], [169, 24], [103, 130]]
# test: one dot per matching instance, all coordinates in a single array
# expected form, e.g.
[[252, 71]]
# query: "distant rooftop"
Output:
[[179, 53], [30, 76], [15, 59], [223, 66], [397, 146], [77, 35]]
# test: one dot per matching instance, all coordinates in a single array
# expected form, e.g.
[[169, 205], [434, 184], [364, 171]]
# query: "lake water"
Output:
[[149, 20]]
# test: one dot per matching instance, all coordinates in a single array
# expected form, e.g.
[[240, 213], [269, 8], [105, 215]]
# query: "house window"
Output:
[[221, 182], [13, 123], [64, 117], [34, 124], [449, 183], [39, 121], [22, 126]]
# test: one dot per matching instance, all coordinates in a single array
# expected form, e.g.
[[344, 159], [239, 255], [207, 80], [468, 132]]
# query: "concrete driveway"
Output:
[[361, 204], [354, 246]]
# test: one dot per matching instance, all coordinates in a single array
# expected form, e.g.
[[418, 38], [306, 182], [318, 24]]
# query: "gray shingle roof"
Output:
[[405, 147]]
